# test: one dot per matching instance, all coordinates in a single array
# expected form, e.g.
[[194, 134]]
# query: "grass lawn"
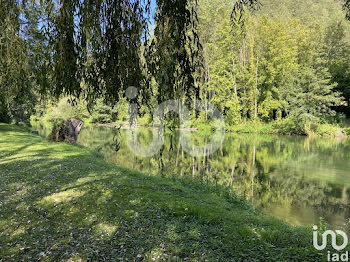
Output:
[[60, 202]]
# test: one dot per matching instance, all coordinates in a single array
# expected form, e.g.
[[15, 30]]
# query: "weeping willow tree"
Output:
[[100, 43], [99, 48], [16, 78]]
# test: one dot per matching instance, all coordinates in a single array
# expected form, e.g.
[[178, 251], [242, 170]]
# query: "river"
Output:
[[296, 179]]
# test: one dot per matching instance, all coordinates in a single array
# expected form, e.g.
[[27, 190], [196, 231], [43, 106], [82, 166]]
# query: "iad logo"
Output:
[[334, 256]]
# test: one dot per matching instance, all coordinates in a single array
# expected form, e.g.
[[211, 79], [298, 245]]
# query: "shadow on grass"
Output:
[[62, 202]]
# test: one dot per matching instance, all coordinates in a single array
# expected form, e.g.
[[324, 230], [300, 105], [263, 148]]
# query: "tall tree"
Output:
[[16, 79]]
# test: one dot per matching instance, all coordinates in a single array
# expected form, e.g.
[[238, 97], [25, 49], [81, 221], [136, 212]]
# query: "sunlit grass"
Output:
[[62, 197], [65, 203]]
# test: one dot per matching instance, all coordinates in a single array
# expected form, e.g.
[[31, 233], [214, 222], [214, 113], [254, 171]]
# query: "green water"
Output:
[[297, 179]]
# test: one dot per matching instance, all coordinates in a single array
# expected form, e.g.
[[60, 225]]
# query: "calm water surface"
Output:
[[297, 179]]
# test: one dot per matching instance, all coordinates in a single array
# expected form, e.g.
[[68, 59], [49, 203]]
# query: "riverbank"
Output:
[[126, 125], [288, 127], [62, 202], [282, 127]]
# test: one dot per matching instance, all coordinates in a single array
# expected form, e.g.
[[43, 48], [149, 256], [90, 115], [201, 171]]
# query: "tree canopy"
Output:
[[92, 50]]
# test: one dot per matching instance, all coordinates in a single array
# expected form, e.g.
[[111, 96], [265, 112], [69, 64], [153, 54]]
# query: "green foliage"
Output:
[[113, 45], [289, 126], [255, 126], [347, 131], [277, 66], [102, 113], [233, 109], [268, 106], [145, 120], [17, 84], [58, 131], [50, 48], [62, 110], [146, 117], [312, 97], [282, 62], [327, 130]]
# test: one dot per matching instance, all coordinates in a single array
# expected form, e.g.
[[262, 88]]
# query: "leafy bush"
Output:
[[289, 126], [145, 120], [327, 130], [347, 131], [101, 113], [58, 129], [256, 126], [146, 117], [61, 111]]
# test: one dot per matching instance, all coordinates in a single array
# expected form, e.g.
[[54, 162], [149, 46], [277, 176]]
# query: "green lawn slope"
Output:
[[60, 202]]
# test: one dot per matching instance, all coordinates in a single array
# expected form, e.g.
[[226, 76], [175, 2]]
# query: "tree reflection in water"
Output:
[[297, 179]]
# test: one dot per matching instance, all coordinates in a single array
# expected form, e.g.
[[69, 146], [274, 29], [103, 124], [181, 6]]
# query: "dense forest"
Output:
[[280, 63]]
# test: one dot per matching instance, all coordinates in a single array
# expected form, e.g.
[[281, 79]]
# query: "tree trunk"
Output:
[[67, 131], [234, 76], [232, 174], [256, 89]]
